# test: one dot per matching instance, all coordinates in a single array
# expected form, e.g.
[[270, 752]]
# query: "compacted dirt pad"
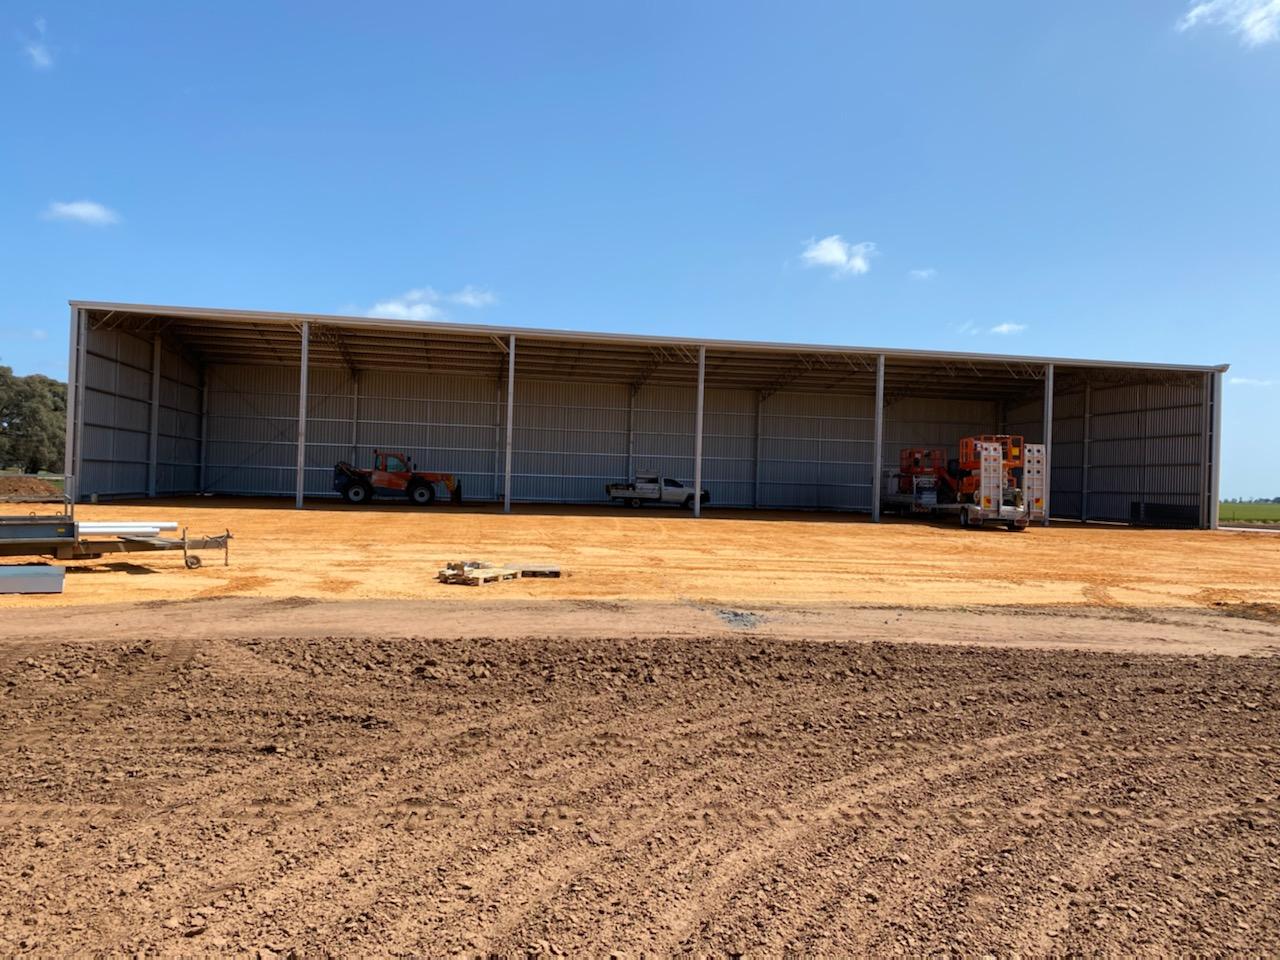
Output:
[[335, 552], [740, 795]]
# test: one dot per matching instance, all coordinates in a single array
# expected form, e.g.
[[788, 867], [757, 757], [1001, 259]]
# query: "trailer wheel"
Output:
[[192, 561], [964, 518], [356, 493], [422, 494], [1017, 527]]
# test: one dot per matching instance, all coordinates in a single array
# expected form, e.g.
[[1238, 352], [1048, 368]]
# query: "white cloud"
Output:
[[84, 211], [1256, 21], [422, 303], [839, 256], [1006, 328], [37, 50], [1250, 382], [413, 305], [470, 296], [923, 273]]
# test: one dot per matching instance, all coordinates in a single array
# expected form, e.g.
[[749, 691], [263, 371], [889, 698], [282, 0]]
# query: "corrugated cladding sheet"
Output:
[[570, 439], [1068, 446], [665, 418], [117, 414], [1026, 419], [816, 450], [664, 421], [728, 447], [446, 424], [178, 447], [1146, 448], [252, 424], [920, 422], [1146, 441]]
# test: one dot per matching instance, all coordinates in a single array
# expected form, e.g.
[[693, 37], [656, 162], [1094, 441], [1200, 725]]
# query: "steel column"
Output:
[[755, 495], [1048, 439], [153, 442], [300, 477], [1084, 456], [877, 455], [511, 410], [1216, 475], [697, 432], [69, 441]]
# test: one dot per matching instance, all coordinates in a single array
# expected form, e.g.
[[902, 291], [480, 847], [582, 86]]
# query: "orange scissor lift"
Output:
[[996, 477]]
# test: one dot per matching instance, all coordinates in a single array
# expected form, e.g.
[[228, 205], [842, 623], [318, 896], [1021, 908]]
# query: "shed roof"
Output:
[[221, 336]]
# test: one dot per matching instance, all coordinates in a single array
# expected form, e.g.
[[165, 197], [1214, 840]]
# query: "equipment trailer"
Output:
[[996, 479], [61, 537]]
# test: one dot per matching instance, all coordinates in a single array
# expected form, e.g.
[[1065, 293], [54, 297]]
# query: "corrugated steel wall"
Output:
[[931, 423], [816, 450], [1065, 459], [252, 429], [728, 445], [178, 447], [795, 449], [445, 423], [115, 440], [1145, 447], [570, 439]]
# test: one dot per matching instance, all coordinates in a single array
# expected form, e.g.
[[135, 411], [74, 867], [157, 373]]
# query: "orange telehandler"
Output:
[[393, 475]]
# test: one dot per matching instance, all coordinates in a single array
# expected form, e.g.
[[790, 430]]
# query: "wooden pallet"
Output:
[[475, 572], [472, 573]]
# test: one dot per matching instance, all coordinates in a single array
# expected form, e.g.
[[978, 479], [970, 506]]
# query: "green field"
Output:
[[1250, 512]]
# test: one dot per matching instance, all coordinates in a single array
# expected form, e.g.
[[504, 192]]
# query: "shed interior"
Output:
[[173, 400]]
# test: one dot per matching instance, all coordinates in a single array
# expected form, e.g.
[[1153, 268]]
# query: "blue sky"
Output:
[[1092, 179]]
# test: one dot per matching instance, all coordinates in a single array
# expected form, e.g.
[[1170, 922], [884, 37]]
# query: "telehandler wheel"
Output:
[[357, 493], [422, 494]]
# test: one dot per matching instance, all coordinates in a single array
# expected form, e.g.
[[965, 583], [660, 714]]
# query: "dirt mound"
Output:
[[370, 795], [27, 487]]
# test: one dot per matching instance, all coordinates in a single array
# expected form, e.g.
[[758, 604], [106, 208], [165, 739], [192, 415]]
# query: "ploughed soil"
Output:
[[358, 794]]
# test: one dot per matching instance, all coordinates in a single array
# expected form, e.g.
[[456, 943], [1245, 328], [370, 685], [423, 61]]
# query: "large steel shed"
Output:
[[177, 400]]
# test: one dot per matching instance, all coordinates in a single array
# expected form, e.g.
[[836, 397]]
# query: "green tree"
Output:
[[33, 419]]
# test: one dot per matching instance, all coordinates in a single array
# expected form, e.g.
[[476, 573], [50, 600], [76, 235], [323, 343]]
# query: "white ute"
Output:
[[651, 488]]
